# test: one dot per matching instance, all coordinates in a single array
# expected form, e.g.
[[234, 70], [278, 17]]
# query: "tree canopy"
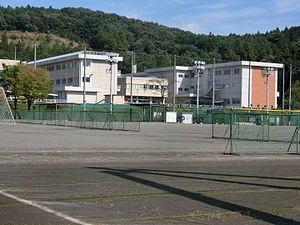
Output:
[[24, 81], [154, 44]]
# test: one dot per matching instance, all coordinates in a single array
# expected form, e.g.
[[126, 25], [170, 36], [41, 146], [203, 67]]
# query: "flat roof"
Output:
[[78, 55], [218, 65]]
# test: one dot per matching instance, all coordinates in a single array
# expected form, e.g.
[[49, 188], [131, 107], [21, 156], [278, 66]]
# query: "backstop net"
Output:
[[257, 131], [5, 110]]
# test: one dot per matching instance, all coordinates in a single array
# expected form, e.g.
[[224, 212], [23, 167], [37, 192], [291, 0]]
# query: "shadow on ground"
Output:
[[246, 211]]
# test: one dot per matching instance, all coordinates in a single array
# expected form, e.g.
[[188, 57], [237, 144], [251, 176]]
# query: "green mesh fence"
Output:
[[257, 131], [148, 113], [84, 119]]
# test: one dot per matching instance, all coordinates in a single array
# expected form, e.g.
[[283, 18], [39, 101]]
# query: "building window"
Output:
[[236, 71], [186, 89], [70, 80], [63, 67], [64, 80], [192, 75], [151, 87], [88, 63], [157, 87], [227, 72], [192, 88], [57, 81], [186, 76], [146, 86], [87, 79], [218, 72], [180, 75], [236, 101], [179, 89], [58, 67], [50, 68]]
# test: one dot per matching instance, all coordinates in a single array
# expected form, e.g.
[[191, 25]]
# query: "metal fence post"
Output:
[[213, 125], [231, 135]]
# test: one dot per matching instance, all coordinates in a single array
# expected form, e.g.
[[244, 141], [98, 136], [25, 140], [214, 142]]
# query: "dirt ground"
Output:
[[165, 174]]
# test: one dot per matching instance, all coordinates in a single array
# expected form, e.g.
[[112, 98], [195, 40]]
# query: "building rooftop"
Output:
[[78, 55], [8, 62], [217, 65]]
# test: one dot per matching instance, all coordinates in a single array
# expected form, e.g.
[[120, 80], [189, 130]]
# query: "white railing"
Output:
[[50, 101]]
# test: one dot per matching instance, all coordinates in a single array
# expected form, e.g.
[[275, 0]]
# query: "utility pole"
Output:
[[290, 92], [174, 84], [213, 83], [131, 77], [84, 79], [283, 75], [34, 55], [15, 52]]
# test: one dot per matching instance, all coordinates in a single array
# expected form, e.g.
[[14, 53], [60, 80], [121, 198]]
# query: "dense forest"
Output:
[[154, 44]]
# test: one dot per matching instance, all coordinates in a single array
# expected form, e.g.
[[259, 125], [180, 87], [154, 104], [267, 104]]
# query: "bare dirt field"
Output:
[[165, 174]]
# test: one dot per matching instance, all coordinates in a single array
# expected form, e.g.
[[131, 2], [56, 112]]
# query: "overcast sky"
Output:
[[198, 16]]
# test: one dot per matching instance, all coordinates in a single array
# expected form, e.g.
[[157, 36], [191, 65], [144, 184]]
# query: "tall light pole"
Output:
[[199, 66], [133, 70], [174, 84], [267, 72], [283, 76], [290, 91], [213, 82], [112, 59]]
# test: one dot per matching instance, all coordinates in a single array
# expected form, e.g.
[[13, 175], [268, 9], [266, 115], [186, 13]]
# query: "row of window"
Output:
[[192, 75], [65, 66], [69, 80], [147, 86], [186, 89], [225, 72]]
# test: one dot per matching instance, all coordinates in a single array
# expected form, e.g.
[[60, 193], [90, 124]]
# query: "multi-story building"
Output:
[[185, 80], [144, 89], [237, 84], [67, 73], [245, 83]]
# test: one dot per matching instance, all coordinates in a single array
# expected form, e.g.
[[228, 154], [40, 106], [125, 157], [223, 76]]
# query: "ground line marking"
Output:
[[44, 208]]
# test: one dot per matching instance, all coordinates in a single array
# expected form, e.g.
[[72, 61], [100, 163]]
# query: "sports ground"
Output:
[[165, 174]]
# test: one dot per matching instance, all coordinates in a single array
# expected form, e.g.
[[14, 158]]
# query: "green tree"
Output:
[[11, 81], [36, 84]]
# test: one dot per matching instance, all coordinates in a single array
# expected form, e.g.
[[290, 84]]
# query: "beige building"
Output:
[[67, 73], [184, 80], [8, 62], [144, 89], [237, 84]]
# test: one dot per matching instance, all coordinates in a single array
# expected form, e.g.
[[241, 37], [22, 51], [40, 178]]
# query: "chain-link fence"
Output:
[[257, 131]]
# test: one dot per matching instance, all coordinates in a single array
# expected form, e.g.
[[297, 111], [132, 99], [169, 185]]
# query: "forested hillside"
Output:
[[154, 44]]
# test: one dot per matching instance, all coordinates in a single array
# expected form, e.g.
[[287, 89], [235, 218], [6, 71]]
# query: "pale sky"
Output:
[[198, 16]]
